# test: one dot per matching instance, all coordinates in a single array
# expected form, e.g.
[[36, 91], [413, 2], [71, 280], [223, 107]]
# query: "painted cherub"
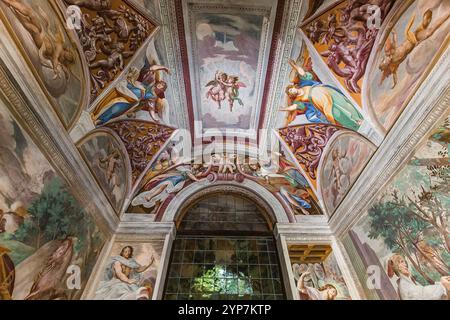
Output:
[[110, 163], [232, 87], [54, 54], [216, 91], [225, 87], [396, 54]]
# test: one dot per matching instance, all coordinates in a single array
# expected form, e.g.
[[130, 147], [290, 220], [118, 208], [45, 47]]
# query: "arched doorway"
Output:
[[224, 249]]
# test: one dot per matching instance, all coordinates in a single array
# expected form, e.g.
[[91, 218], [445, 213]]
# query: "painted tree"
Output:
[[413, 218], [431, 203], [56, 215], [402, 227], [391, 222]]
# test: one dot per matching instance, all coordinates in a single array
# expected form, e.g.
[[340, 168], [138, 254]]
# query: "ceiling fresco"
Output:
[[344, 37], [227, 51], [128, 128], [167, 178], [136, 74], [110, 34], [418, 34], [51, 52]]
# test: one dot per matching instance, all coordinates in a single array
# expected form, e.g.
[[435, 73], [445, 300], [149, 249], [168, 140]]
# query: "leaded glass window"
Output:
[[223, 268]]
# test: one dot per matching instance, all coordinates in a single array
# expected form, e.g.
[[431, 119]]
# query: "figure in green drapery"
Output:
[[305, 94]]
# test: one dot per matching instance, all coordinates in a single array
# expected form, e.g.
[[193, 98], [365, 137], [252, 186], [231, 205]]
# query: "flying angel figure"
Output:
[[142, 90], [225, 87]]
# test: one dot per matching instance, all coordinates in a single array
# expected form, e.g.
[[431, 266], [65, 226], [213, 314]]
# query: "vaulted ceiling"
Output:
[[318, 84]]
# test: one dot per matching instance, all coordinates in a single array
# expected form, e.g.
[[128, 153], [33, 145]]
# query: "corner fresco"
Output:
[[140, 95], [108, 161], [344, 37], [317, 275], [53, 56], [345, 159], [111, 33], [405, 233], [320, 103], [410, 48], [46, 236]]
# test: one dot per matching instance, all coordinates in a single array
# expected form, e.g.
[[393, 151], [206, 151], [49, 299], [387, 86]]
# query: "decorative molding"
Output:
[[141, 231], [153, 16], [273, 53], [286, 269], [182, 49], [306, 227], [82, 127], [163, 267], [280, 66], [172, 45], [248, 188], [304, 233], [427, 107]]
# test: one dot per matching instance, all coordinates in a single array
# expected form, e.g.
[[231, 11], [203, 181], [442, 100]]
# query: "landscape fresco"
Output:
[[54, 57], [405, 232], [131, 271], [409, 51], [107, 160], [46, 236]]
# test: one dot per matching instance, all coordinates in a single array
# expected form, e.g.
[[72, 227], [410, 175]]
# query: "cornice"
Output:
[[281, 68], [170, 36], [144, 231], [308, 231]]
